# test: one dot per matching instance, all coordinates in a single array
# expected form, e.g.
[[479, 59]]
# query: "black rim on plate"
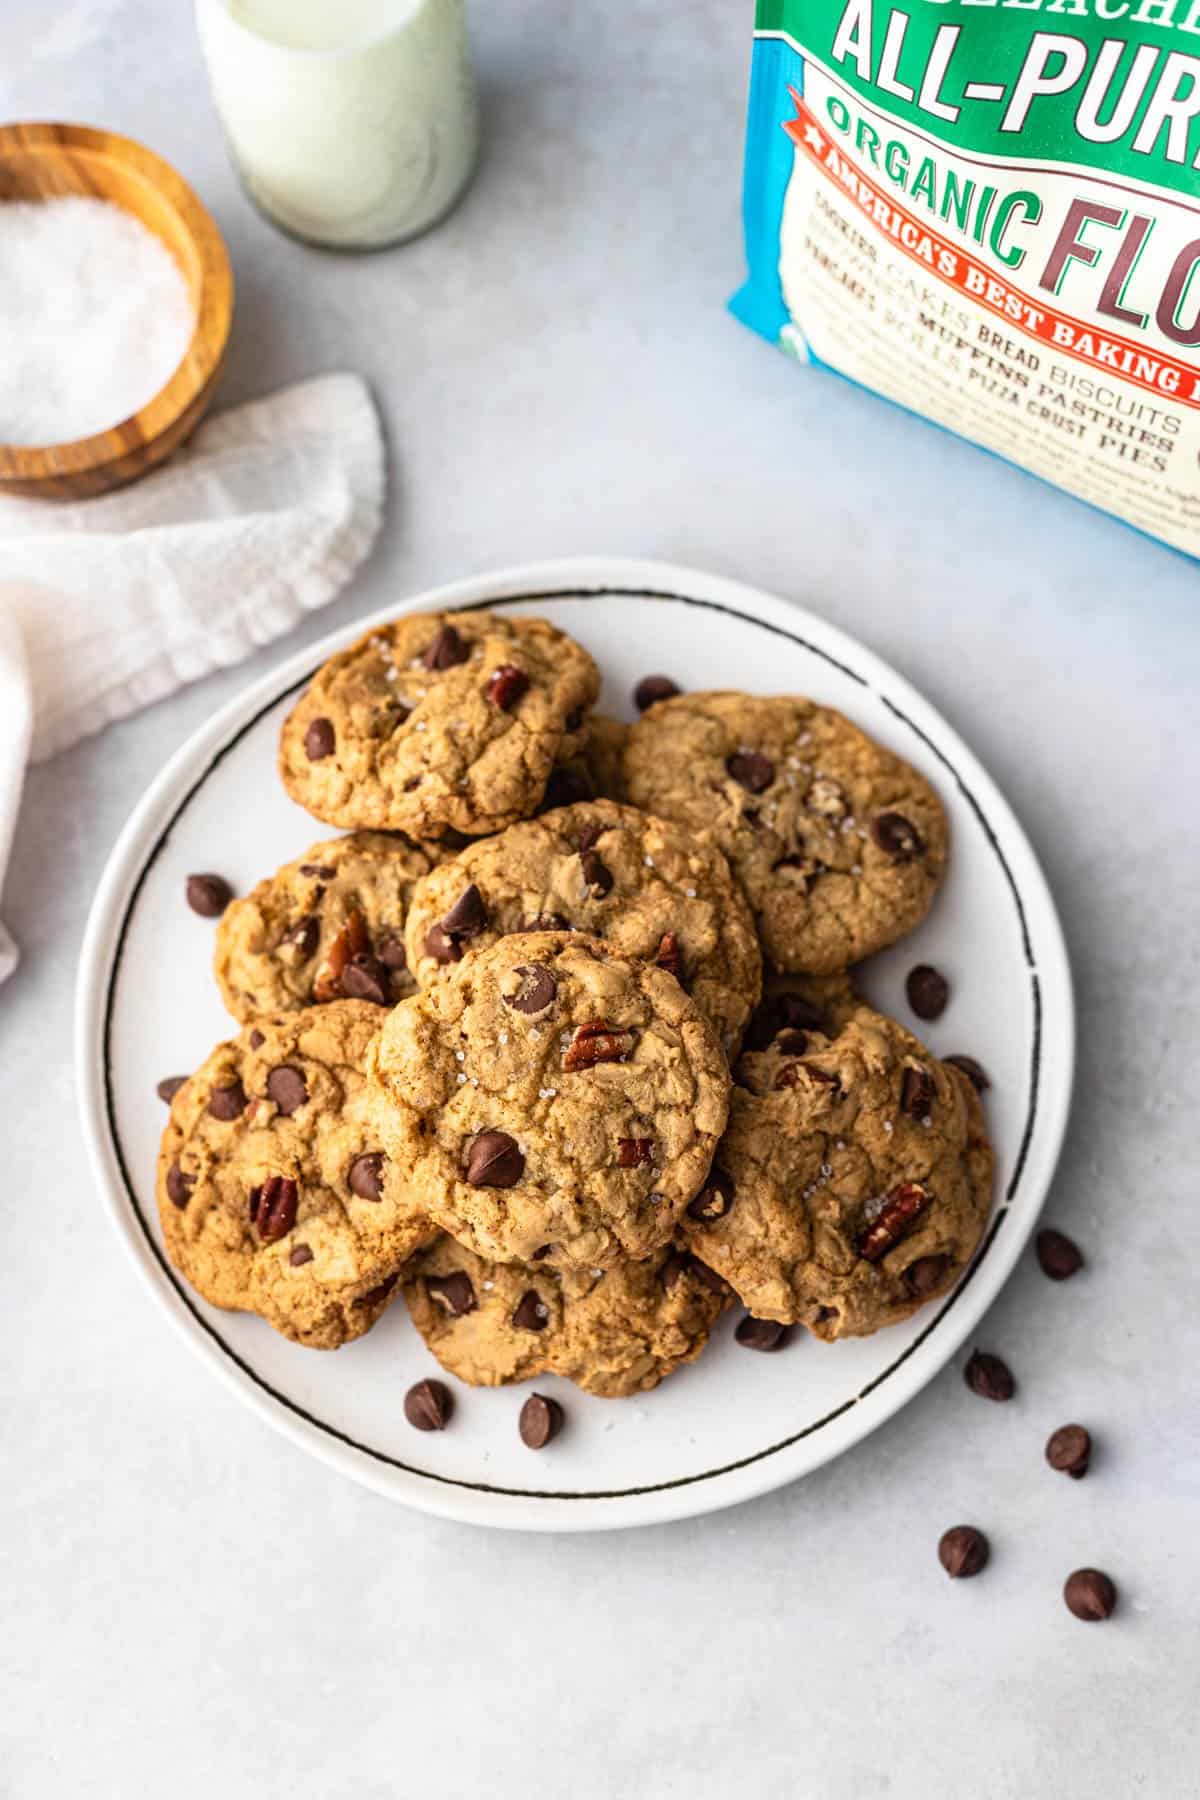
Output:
[[525, 1493]]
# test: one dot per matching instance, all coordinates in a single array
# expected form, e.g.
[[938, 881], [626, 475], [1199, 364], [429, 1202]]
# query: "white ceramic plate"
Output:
[[735, 1423]]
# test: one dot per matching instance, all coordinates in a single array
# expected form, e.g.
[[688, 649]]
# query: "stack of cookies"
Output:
[[508, 1049]]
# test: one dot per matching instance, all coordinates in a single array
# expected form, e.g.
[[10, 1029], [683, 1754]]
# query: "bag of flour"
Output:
[[989, 211]]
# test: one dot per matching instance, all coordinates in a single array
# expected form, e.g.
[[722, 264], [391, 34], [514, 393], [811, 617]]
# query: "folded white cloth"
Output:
[[111, 603]]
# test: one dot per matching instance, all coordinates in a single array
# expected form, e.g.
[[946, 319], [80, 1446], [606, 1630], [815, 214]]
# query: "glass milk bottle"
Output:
[[354, 123]]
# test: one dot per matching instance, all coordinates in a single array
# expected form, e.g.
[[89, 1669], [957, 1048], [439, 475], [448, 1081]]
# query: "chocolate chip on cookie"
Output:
[[287, 1087], [320, 740], [762, 1334], [494, 1160]]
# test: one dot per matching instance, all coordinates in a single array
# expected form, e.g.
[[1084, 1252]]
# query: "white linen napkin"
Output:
[[109, 604]]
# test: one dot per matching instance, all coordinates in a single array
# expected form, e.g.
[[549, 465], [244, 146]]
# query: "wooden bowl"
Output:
[[38, 161]]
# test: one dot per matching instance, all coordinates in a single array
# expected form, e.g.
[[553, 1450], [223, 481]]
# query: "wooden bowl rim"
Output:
[[210, 333]]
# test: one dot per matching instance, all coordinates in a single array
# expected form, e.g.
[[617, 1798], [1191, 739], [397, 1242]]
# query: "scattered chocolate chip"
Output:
[[1090, 1595], [494, 1160], [761, 1334], [391, 952], [895, 1219], [169, 1087], [467, 917], [594, 1043], [896, 837], [916, 1094], [179, 1185], [322, 871], [454, 1293], [536, 992], [751, 770], [300, 1255], [653, 688], [541, 1419], [597, 877], [227, 1103], [926, 1275], [319, 740], [273, 1207], [927, 990], [446, 650], [506, 686], [208, 895], [365, 978], [1069, 1450], [257, 1040], [715, 1197], [428, 1405], [1058, 1255], [669, 956], [632, 1152], [365, 1175], [443, 949], [531, 1312], [301, 941], [966, 1065], [963, 1551], [287, 1088], [989, 1376]]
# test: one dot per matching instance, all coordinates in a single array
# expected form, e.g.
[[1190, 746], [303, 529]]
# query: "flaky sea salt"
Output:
[[95, 317]]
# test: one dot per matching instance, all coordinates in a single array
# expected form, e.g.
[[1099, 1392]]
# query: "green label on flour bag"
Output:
[[989, 211]]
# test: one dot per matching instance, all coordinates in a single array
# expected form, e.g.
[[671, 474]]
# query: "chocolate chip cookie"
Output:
[[642, 885], [853, 1182], [614, 1332], [551, 1096], [436, 722], [329, 926], [839, 844], [274, 1193]]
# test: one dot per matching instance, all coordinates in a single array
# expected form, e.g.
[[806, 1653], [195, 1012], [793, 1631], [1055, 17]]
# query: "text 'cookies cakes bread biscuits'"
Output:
[[551, 1096], [438, 722], [643, 885], [839, 844], [853, 1182], [274, 1194], [614, 1332], [328, 926]]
